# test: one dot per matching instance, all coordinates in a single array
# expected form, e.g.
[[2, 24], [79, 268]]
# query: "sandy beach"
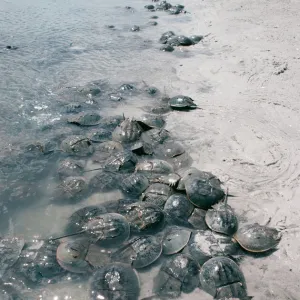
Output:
[[245, 77]]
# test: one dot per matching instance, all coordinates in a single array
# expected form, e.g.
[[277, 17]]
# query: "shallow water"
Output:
[[60, 45]]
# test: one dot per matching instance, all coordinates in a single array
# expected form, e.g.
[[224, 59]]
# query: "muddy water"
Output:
[[63, 45]]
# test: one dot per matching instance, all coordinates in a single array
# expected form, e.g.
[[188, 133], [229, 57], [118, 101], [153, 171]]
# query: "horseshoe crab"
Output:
[[171, 179], [257, 238], [196, 38], [157, 194], [71, 256], [176, 9], [178, 208], [221, 218], [157, 110], [73, 108], [126, 87], [175, 239], [104, 181], [165, 36], [204, 190], [205, 244], [142, 147], [45, 262], [144, 217], [77, 145], [154, 166], [197, 219], [110, 122], [135, 28], [69, 167], [104, 150], [185, 174], [10, 249], [121, 161], [85, 119], [99, 135], [163, 5], [180, 273], [72, 187], [139, 252], [170, 149], [155, 136], [167, 48], [135, 184], [221, 277], [152, 121], [107, 230], [149, 7], [182, 103], [115, 281], [128, 131], [78, 219]]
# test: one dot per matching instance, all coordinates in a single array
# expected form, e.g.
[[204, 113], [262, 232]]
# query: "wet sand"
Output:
[[247, 81]]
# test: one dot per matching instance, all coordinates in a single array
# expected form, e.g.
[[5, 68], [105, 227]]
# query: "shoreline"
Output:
[[245, 77]]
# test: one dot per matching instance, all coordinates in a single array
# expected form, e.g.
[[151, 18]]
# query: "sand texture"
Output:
[[246, 79]]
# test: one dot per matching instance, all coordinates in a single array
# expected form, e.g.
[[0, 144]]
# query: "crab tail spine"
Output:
[[67, 235]]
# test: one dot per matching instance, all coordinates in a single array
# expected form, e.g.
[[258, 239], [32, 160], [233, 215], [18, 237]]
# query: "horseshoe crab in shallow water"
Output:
[[72, 187], [257, 238], [99, 135], [221, 218], [139, 252], [144, 217], [154, 166], [165, 36], [122, 161], [204, 190], [178, 209], [115, 281], [128, 131], [77, 145], [157, 194], [110, 122], [85, 119], [175, 239], [135, 184], [221, 277], [179, 273], [10, 249], [69, 167], [71, 256], [182, 103], [107, 230], [163, 5], [126, 87], [80, 217], [205, 244]]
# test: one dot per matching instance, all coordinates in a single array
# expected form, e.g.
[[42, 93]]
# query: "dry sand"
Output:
[[246, 77]]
